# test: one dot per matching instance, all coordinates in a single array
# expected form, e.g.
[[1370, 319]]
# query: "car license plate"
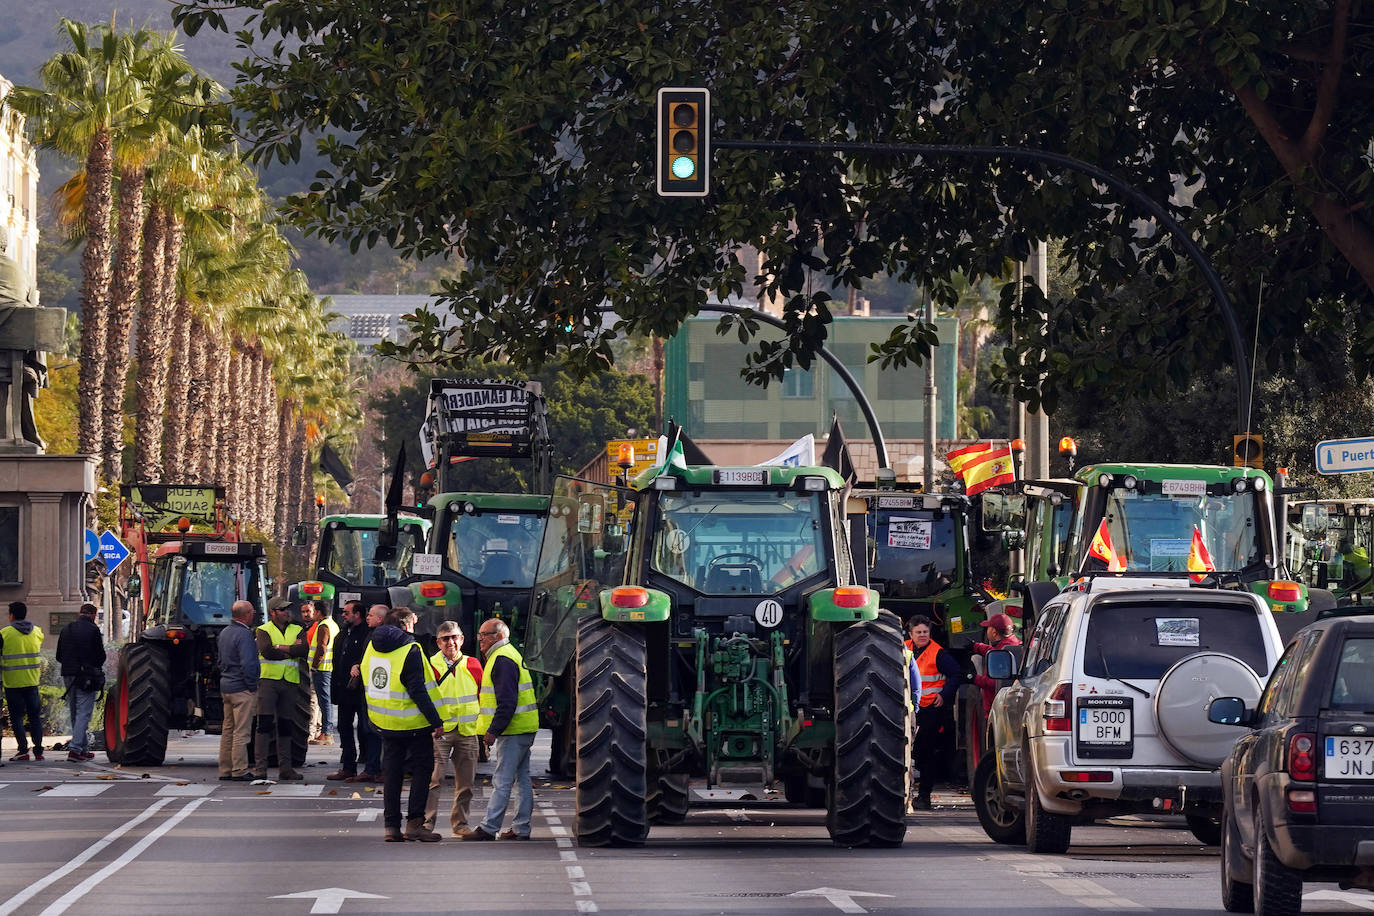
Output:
[[1349, 758], [1105, 727]]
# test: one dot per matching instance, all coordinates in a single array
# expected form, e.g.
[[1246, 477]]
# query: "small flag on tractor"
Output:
[[1199, 560], [992, 468], [1101, 549], [960, 457]]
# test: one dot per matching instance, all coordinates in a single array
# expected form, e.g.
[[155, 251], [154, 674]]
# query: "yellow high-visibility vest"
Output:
[[389, 705], [21, 660], [526, 718], [327, 660], [457, 695], [286, 669]]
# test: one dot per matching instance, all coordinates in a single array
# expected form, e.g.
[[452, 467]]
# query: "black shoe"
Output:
[[479, 835], [921, 804]]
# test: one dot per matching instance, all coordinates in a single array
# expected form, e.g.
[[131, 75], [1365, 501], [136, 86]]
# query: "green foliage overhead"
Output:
[[521, 138]]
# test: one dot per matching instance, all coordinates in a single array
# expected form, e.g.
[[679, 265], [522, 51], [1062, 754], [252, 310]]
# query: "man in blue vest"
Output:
[[509, 719], [20, 664]]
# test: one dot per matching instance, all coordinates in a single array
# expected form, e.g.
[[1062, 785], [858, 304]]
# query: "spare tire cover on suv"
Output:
[[1182, 699]]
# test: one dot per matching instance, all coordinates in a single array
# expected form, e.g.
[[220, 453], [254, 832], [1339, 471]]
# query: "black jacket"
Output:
[[388, 638], [80, 645], [348, 651]]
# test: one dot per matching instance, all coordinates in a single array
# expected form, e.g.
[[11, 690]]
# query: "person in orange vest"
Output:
[[940, 678]]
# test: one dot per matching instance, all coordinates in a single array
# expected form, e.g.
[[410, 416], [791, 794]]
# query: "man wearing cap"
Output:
[[999, 632], [281, 646]]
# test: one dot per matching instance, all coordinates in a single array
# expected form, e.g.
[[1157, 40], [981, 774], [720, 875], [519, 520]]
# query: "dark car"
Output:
[[1299, 788]]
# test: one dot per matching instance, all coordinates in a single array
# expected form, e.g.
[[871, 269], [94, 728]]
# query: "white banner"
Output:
[[799, 454]]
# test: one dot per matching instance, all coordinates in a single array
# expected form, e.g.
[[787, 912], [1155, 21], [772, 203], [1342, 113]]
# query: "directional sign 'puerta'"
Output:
[[1345, 456]]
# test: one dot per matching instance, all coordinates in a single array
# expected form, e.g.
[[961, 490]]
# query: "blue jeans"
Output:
[[512, 769], [80, 705], [321, 681]]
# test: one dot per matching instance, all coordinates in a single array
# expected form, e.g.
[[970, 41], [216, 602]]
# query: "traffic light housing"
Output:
[[1247, 450], [683, 142]]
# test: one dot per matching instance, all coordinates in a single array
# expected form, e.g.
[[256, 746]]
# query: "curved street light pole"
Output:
[[879, 445], [1189, 246]]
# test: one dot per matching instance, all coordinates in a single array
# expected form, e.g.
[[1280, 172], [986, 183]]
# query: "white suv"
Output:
[[1106, 714]]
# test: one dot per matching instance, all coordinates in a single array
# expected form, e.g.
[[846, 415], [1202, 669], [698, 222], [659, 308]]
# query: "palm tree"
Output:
[[87, 96]]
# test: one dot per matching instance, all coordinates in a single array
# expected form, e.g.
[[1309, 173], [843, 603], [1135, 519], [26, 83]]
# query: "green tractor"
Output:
[[1152, 514], [360, 557], [1329, 546], [739, 648]]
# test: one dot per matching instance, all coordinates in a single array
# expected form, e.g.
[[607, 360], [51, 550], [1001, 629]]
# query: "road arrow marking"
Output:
[[1361, 900], [329, 899], [841, 900]]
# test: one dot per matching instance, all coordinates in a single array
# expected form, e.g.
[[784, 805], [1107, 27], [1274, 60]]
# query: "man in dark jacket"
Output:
[[239, 671], [360, 744], [400, 688], [81, 653]]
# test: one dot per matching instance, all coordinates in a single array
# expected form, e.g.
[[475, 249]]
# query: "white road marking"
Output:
[[1364, 901], [19, 899], [842, 900], [575, 871], [1086, 893], [75, 790], [190, 790], [290, 790], [133, 852], [577, 877], [329, 899]]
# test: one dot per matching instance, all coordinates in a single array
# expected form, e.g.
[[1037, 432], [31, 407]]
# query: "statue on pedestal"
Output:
[[21, 358]]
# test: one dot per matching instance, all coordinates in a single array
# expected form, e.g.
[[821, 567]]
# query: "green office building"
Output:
[[703, 389]]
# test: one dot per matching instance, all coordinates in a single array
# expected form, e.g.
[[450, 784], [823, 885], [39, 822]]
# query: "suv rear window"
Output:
[[1353, 687], [1145, 640]]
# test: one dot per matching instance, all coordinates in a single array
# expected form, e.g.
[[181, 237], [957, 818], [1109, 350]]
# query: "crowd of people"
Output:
[[399, 711]]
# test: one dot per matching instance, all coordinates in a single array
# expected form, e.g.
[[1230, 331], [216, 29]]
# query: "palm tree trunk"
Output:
[[217, 449], [230, 464], [95, 290], [251, 436], [270, 459], [153, 338], [175, 432], [307, 504], [263, 479], [124, 291], [197, 402], [282, 452]]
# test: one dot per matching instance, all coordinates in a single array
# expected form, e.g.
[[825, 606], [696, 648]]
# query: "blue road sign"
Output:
[[1345, 456], [92, 546], [112, 551]]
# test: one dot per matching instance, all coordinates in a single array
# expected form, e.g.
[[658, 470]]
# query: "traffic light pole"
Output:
[[1180, 235]]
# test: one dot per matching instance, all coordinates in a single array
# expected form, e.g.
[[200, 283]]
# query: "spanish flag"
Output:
[[1101, 549], [1199, 560], [992, 468], [960, 457]]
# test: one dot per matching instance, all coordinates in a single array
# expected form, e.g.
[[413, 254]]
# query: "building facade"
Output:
[[18, 188], [703, 389]]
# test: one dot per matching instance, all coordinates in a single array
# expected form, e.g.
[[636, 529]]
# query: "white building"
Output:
[[18, 188]]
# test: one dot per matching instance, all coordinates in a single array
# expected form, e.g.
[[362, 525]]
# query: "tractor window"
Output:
[[350, 554], [496, 548], [208, 589], [1155, 531], [739, 542], [916, 552]]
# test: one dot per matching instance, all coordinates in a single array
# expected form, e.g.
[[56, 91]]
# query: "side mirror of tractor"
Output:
[[300, 534]]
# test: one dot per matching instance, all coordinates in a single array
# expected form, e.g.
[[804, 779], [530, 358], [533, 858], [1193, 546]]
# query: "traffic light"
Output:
[[1247, 450], [684, 142]]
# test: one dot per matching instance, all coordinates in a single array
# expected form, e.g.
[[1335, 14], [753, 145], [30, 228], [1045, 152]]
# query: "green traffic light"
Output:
[[684, 167]]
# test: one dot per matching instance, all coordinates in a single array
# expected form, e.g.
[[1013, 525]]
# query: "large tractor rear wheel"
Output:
[[669, 795], [868, 805], [612, 764], [136, 708]]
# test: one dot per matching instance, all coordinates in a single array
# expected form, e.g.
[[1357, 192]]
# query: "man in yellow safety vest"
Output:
[[402, 703], [509, 719], [322, 636], [21, 663], [281, 644], [458, 677]]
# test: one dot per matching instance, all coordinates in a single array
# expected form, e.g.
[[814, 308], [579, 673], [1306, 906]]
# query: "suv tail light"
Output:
[[1301, 762], [1056, 709]]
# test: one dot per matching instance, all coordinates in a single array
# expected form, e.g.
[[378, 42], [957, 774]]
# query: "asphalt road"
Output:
[[97, 839]]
